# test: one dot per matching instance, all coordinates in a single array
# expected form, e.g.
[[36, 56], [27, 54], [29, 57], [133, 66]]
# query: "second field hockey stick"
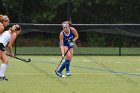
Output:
[[24, 60], [62, 59]]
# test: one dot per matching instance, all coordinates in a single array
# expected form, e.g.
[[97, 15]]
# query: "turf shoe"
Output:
[[3, 78], [68, 73], [59, 74]]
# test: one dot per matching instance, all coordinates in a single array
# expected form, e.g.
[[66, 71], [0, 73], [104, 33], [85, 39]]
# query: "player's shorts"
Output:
[[65, 44], [68, 45], [2, 47]]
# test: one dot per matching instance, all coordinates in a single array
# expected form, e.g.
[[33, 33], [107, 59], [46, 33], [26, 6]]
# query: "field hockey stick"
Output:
[[24, 60], [62, 58]]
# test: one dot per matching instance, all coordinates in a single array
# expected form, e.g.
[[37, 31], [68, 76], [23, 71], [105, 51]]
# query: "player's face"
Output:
[[66, 27], [6, 22], [18, 32]]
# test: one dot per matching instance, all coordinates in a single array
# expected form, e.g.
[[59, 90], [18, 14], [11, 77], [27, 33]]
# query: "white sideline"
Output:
[[71, 73]]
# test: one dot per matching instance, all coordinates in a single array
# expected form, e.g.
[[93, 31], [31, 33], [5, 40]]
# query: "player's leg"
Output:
[[67, 61], [60, 69], [3, 65], [62, 66]]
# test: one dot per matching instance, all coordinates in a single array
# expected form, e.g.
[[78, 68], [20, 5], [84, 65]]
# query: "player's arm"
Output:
[[11, 42], [76, 36], [61, 44], [1, 28]]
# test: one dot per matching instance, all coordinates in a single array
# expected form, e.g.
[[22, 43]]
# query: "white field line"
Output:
[[118, 62], [71, 73], [137, 69], [53, 59], [87, 60]]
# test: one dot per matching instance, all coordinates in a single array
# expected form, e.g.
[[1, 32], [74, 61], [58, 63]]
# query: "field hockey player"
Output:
[[67, 38], [7, 37]]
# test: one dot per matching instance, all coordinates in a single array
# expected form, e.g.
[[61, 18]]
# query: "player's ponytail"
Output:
[[70, 23], [15, 28], [18, 28]]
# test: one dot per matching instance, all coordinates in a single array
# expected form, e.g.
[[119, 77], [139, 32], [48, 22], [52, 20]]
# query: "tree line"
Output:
[[80, 11]]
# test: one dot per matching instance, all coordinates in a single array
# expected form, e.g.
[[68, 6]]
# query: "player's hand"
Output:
[[12, 54], [71, 43], [62, 56]]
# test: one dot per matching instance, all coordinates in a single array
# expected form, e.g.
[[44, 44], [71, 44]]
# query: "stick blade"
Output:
[[29, 60]]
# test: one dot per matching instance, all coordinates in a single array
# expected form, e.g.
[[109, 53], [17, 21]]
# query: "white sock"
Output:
[[2, 70]]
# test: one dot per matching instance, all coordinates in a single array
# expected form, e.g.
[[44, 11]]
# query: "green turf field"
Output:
[[90, 74]]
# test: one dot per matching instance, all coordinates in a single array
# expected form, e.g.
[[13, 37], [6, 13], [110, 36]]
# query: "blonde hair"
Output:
[[3, 18], [17, 28], [67, 23]]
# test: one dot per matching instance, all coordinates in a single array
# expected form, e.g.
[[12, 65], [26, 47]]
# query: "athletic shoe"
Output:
[[68, 73], [59, 74], [3, 78]]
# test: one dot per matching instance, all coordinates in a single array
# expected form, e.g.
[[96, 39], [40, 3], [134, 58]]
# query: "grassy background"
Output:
[[90, 74]]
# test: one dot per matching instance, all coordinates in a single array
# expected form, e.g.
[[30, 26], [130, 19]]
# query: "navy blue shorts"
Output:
[[2, 47], [65, 44]]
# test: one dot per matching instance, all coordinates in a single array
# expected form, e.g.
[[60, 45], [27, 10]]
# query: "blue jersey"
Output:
[[70, 36]]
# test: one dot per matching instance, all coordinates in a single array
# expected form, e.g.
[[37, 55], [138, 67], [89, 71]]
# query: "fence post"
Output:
[[119, 50], [120, 45]]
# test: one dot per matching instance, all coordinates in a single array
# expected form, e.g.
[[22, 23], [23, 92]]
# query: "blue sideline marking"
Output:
[[107, 70], [104, 70]]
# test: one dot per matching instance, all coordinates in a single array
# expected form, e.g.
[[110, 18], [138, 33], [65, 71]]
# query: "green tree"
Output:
[[81, 11]]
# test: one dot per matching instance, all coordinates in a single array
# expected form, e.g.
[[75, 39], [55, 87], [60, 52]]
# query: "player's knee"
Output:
[[69, 57], [5, 62]]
